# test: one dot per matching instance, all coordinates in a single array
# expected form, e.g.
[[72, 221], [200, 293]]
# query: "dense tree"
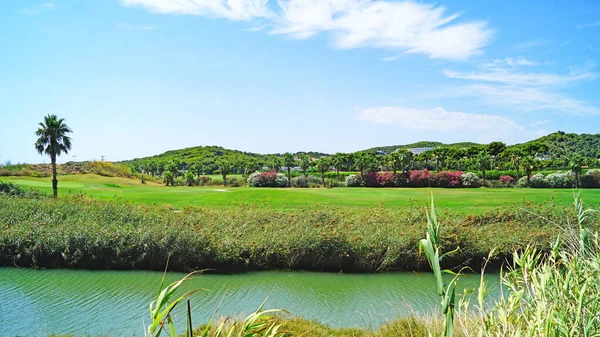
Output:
[[53, 141], [323, 165], [393, 160], [289, 162], [439, 154], [495, 148]]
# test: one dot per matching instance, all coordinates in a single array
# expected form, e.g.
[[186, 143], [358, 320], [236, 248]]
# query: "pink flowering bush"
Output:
[[507, 180], [419, 178], [386, 179], [448, 179], [370, 179]]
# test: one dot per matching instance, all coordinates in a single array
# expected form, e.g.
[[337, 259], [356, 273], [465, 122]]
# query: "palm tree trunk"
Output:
[[529, 180], [289, 178], [576, 179], [323, 178], [54, 180], [224, 180]]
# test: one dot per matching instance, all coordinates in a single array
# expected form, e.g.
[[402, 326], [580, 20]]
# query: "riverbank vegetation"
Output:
[[77, 232]]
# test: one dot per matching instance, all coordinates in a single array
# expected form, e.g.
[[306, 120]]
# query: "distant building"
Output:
[[380, 153], [418, 150]]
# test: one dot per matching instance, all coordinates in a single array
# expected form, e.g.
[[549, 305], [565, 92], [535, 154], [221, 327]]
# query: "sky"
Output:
[[135, 78]]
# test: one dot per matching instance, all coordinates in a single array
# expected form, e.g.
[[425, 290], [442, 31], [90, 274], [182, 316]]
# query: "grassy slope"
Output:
[[456, 200]]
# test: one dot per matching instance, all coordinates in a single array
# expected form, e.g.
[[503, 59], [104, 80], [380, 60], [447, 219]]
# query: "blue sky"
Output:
[[139, 77]]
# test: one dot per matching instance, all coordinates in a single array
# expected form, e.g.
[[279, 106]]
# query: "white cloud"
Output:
[[128, 26], [589, 25], [519, 61], [38, 9], [237, 10], [523, 98], [436, 119], [505, 76], [538, 123], [217, 99], [389, 58], [398, 25]]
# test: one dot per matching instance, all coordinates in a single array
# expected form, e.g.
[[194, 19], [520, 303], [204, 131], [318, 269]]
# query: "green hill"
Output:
[[562, 144], [392, 148]]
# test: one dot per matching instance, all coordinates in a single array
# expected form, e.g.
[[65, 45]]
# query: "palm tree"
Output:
[[575, 164], [529, 165], [305, 163], [515, 160], [405, 157], [483, 162], [438, 155], [338, 160], [323, 165], [276, 164], [53, 141], [224, 167], [393, 160], [289, 161]]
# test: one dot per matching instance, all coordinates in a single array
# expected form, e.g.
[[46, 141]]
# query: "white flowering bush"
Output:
[[522, 182], [537, 180], [281, 180], [559, 180], [470, 179], [353, 181]]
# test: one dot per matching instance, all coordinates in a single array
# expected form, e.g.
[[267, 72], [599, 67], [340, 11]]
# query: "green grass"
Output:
[[456, 200]]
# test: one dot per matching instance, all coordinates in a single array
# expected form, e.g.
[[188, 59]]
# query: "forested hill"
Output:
[[388, 149], [559, 145], [562, 144]]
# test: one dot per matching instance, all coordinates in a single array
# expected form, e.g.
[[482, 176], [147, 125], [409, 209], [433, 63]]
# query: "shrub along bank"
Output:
[[81, 233]]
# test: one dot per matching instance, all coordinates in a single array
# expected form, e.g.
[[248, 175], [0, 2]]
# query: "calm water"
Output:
[[116, 302]]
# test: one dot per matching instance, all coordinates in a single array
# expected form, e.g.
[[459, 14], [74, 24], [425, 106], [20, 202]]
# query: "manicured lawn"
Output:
[[456, 200]]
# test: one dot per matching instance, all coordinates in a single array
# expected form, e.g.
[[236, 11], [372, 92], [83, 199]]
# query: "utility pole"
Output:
[[102, 157]]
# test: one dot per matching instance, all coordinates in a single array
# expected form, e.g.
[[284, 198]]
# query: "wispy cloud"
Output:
[[217, 99], [538, 123], [509, 86], [589, 25], [37, 9], [389, 58], [435, 119], [407, 26], [129, 26]]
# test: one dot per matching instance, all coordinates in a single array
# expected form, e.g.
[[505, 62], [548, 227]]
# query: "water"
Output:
[[116, 302]]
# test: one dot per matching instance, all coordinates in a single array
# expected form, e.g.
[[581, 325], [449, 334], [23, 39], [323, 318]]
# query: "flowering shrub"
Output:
[[419, 178], [301, 181], [447, 179], [402, 179], [370, 179], [204, 180], [386, 179], [537, 180], [522, 182], [353, 181], [507, 180], [591, 179], [471, 179], [267, 179], [559, 180]]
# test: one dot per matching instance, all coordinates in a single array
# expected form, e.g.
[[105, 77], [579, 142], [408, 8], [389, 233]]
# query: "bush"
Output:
[[204, 180], [507, 180], [11, 189], [267, 179], [591, 179], [386, 179], [447, 179], [419, 178], [314, 181], [301, 182], [559, 180], [522, 182], [537, 180], [353, 181], [330, 183], [281, 180], [470, 179]]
